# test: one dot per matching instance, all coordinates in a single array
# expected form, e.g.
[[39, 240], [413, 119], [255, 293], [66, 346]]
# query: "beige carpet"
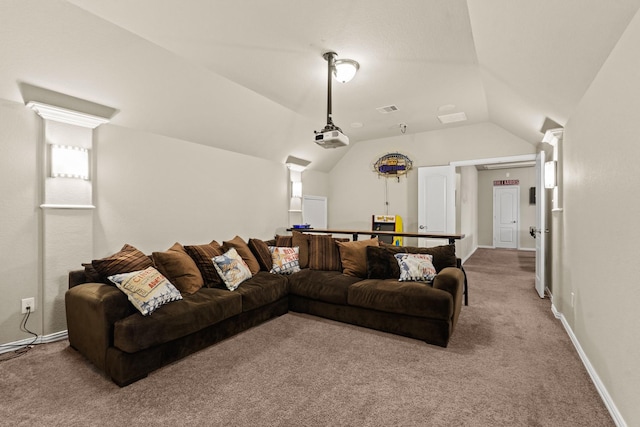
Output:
[[509, 363]]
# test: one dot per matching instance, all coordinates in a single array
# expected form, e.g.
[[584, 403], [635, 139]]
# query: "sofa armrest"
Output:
[[451, 279], [92, 309]]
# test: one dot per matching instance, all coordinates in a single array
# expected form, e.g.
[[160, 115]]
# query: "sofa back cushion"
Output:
[[381, 263]]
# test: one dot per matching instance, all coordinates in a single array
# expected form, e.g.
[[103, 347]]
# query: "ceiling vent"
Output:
[[452, 118], [388, 109]]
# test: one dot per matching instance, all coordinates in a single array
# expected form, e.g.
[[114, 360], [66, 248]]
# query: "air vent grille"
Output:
[[387, 109]]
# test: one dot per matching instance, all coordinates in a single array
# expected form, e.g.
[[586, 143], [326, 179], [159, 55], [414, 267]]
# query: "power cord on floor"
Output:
[[20, 349]]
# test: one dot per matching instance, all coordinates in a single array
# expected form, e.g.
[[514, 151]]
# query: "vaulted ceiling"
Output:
[[248, 75]]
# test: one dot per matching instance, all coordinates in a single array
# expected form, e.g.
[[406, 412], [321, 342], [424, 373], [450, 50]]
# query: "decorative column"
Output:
[[66, 237]]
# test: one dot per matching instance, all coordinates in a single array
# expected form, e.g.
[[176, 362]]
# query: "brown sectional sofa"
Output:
[[119, 340]]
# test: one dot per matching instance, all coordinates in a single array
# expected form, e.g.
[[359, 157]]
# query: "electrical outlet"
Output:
[[28, 302]]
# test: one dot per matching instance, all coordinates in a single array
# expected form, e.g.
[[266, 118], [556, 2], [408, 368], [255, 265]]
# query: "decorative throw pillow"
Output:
[[415, 267], [243, 250], [261, 251], [232, 269], [301, 240], [128, 259], [353, 256], [147, 289], [324, 253], [179, 268], [285, 260], [202, 255]]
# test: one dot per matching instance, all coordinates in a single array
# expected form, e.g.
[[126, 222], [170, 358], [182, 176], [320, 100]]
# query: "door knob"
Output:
[[422, 227]]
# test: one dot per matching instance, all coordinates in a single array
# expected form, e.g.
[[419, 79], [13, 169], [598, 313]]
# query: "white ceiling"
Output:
[[248, 75]]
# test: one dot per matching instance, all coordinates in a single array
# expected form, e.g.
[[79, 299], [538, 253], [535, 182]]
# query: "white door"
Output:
[[506, 202], [314, 211], [540, 224], [436, 202]]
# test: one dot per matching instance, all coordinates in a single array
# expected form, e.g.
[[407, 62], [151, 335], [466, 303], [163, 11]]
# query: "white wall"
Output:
[[357, 192], [19, 223], [153, 191], [600, 224]]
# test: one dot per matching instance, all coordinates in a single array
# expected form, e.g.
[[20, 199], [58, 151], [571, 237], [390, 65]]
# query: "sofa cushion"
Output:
[[181, 270], [409, 298], [353, 256], [263, 288], [326, 286], [193, 313], [203, 255], [128, 259], [261, 251], [381, 263], [146, 289], [243, 250], [232, 269]]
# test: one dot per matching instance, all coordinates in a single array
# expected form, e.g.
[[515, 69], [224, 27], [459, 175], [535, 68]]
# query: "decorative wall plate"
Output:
[[393, 165]]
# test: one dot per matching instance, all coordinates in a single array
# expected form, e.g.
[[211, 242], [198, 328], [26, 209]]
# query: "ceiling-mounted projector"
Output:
[[331, 138]]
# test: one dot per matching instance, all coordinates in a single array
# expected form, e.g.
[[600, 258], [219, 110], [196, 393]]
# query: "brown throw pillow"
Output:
[[261, 251], [128, 259], [203, 255], [284, 241], [245, 253], [353, 256], [324, 253], [381, 264], [177, 266], [301, 240]]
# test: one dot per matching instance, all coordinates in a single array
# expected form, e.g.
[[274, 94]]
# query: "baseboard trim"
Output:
[[42, 339], [602, 390]]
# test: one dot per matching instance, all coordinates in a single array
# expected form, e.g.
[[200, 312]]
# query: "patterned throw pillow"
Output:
[[324, 253], [202, 255], [285, 260], [415, 267], [232, 269], [244, 251], [147, 289], [128, 259]]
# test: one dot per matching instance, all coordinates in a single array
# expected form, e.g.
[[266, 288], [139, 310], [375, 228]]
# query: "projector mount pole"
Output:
[[330, 57]]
